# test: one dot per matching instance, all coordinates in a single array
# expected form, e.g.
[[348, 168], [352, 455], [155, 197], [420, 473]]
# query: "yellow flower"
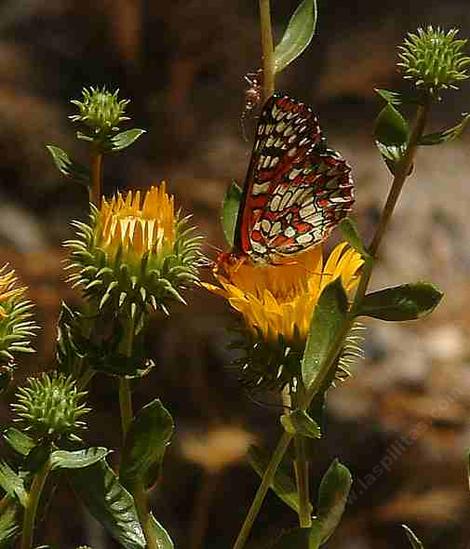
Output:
[[138, 228], [278, 300]]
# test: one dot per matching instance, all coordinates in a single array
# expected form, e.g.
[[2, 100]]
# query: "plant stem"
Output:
[[96, 175], [403, 171], [302, 478], [267, 48], [202, 506], [32, 505], [141, 503], [263, 488], [125, 404]]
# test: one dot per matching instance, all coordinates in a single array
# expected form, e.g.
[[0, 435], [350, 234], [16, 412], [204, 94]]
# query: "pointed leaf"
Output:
[[332, 497], [299, 422], [10, 526], [61, 459], [404, 302], [446, 136], [351, 235], [392, 155], [12, 483], [412, 538], [328, 318], [122, 140], [109, 502], [146, 442], [390, 127], [230, 207], [298, 34], [390, 96], [283, 485], [20, 442], [67, 166], [161, 535]]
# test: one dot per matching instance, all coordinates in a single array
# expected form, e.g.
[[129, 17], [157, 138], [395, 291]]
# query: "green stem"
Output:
[[125, 404], [263, 488], [32, 505], [141, 503], [401, 175], [267, 48], [302, 479], [96, 175]]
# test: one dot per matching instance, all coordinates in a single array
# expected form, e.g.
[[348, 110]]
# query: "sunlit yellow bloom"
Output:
[[138, 227], [278, 300]]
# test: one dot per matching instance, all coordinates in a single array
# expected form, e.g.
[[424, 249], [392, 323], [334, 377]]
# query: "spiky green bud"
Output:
[[100, 110], [16, 326], [51, 406], [433, 59]]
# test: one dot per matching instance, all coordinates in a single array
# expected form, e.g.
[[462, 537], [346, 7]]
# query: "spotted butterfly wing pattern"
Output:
[[296, 190]]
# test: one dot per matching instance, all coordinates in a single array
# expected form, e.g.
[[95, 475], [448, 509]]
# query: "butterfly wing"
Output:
[[296, 191]]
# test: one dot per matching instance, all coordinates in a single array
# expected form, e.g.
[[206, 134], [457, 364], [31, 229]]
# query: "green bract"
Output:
[[433, 58], [51, 406]]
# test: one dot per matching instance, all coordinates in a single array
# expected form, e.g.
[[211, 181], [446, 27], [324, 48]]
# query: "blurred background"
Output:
[[182, 63]]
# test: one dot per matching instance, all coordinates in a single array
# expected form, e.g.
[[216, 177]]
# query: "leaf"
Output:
[[332, 497], [146, 442], [404, 302], [9, 524], [412, 538], [297, 36], [109, 502], [61, 459], [161, 535], [282, 485], [69, 167], [20, 442], [392, 156], [351, 235], [446, 136], [122, 140], [390, 127], [328, 318], [392, 97], [230, 207], [300, 423], [12, 483]]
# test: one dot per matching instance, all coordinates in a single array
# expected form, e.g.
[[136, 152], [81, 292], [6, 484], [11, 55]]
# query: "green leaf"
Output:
[[230, 207], [332, 497], [350, 233], [390, 127], [391, 97], [299, 422], [161, 535], [9, 524], [12, 483], [392, 155], [109, 502], [20, 442], [122, 140], [404, 302], [297, 36], [412, 538], [69, 167], [283, 485], [446, 136], [300, 538], [328, 318], [61, 459], [146, 442]]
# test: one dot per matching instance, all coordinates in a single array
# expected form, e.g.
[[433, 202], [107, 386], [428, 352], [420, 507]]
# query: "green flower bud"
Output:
[[433, 59], [51, 406], [16, 326], [100, 110]]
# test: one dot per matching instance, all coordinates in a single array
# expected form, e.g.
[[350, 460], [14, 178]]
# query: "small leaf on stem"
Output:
[[390, 127], [68, 167], [122, 140], [299, 422], [229, 214], [412, 538]]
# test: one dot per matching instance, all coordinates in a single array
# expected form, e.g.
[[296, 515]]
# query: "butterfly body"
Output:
[[296, 189]]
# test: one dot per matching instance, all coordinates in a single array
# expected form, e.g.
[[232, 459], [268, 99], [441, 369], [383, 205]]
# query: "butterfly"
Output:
[[296, 189]]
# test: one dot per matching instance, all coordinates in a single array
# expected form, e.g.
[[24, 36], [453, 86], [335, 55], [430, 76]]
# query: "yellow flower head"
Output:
[[278, 300], [138, 228], [136, 251]]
